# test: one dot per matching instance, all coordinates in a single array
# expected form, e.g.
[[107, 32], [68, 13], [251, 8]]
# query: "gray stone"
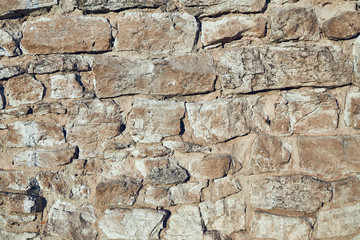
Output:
[[101, 5]]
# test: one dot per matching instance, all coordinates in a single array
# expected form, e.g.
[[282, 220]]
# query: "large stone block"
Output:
[[19, 6], [210, 167], [66, 34], [101, 5], [342, 26]]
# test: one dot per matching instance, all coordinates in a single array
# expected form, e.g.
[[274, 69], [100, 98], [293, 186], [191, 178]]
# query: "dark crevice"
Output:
[[2, 97]]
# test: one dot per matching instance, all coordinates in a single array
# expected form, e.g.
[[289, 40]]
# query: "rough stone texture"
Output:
[[23, 90], [346, 191], [342, 26], [10, 70], [297, 193], [182, 75], [132, 224], [250, 69], [63, 34], [210, 167], [231, 28], [352, 110], [158, 30], [101, 5], [294, 24], [209, 123], [66, 86], [221, 188], [8, 43], [21, 203], [18, 6], [18, 236]]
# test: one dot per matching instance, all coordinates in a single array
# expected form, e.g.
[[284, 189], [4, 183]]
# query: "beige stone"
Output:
[[289, 194], [159, 151], [218, 120], [31, 134], [8, 70], [49, 108], [8, 43], [232, 28], [183, 75], [155, 197], [66, 86], [20, 203], [123, 190], [4, 235], [151, 120], [186, 193], [221, 188], [158, 30], [101, 5], [24, 90], [210, 167], [119, 223], [12, 180], [352, 113], [342, 26], [186, 147], [18, 6], [346, 191], [63, 34], [294, 23]]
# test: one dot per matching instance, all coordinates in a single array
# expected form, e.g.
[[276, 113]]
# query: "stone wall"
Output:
[[179, 119]]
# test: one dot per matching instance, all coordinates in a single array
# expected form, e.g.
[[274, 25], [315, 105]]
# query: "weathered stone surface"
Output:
[[215, 7], [232, 28], [185, 224], [158, 30], [225, 215], [158, 151], [66, 34], [330, 156], [290, 194], [342, 26], [9, 43], [187, 74], [66, 86], [18, 6], [49, 108], [294, 23], [352, 110], [346, 191], [45, 158], [267, 226], [59, 63], [71, 222], [12, 180], [101, 5], [155, 197], [123, 190], [250, 69], [21, 203], [218, 120], [152, 120], [268, 154], [163, 170], [132, 224], [210, 167], [186, 193], [31, 134], [23, 90], [221, 188], [186, 147], [338, 222], [18, 236], [8, 71]]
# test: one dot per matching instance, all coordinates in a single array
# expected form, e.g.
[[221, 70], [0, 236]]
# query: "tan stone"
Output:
[[101, 5], [21, 203], [49, 108], [18, 6], [12, 180], [186, 147], [248, 69], [330, 156], [155, 197], [186, 193], [66, 86], [66, 34], [8, 43], [23, 90], [45, 158], [183, 75], [215, 7], [221, 188], [10, 69], [231, 28], [218, 120], [123, 190], [31, 133], [346, 191], [294, 23], [210, 167], [342, 26], [290, 194], [352, 110], [4, 235], [151, 120], [159, 151], [158, 30], [121, 223]]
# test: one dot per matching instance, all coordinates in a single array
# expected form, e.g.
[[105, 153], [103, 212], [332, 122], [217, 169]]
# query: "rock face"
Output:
[[100, 5], [18, 6], [352, 108], [210, 167], [66, 86], [342, 26], [8, 44]]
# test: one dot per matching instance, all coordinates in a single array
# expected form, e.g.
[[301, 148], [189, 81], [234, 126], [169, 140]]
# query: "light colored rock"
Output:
[[123, 190], [183, 75], [221, 188], [63, 34], [31, 134], [231, 28], [215, 7], [294, 23], [186, 147], [68, 221], [218, 120], [248, 69], [346, 191], [156, 197], [8, 71], [185, 224], [18, 6], [342, 26], [210, 167], [101, 5], [13, 180], [17, 236], [187, 193], [352, 110], [158, 151], [289, 194], [20, 203], [278, 227], [45, 158], [8, 43], [268, 154], [338, 222], [152, 120], [132, 224], [23, 90], [48, 108], [164, 33], [66, 86]]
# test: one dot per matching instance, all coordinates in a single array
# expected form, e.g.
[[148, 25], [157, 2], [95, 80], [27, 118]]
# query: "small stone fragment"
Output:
[[210, 167], [19, 6], [8, 43], [158, 151], [343, 26], [352, 110], [65, 86], [101, 5], [186, 147]]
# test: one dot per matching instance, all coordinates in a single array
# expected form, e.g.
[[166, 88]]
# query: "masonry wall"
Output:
[[179, 119]]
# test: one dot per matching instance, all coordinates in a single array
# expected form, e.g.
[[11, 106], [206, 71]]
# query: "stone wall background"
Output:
[[179, 119]]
